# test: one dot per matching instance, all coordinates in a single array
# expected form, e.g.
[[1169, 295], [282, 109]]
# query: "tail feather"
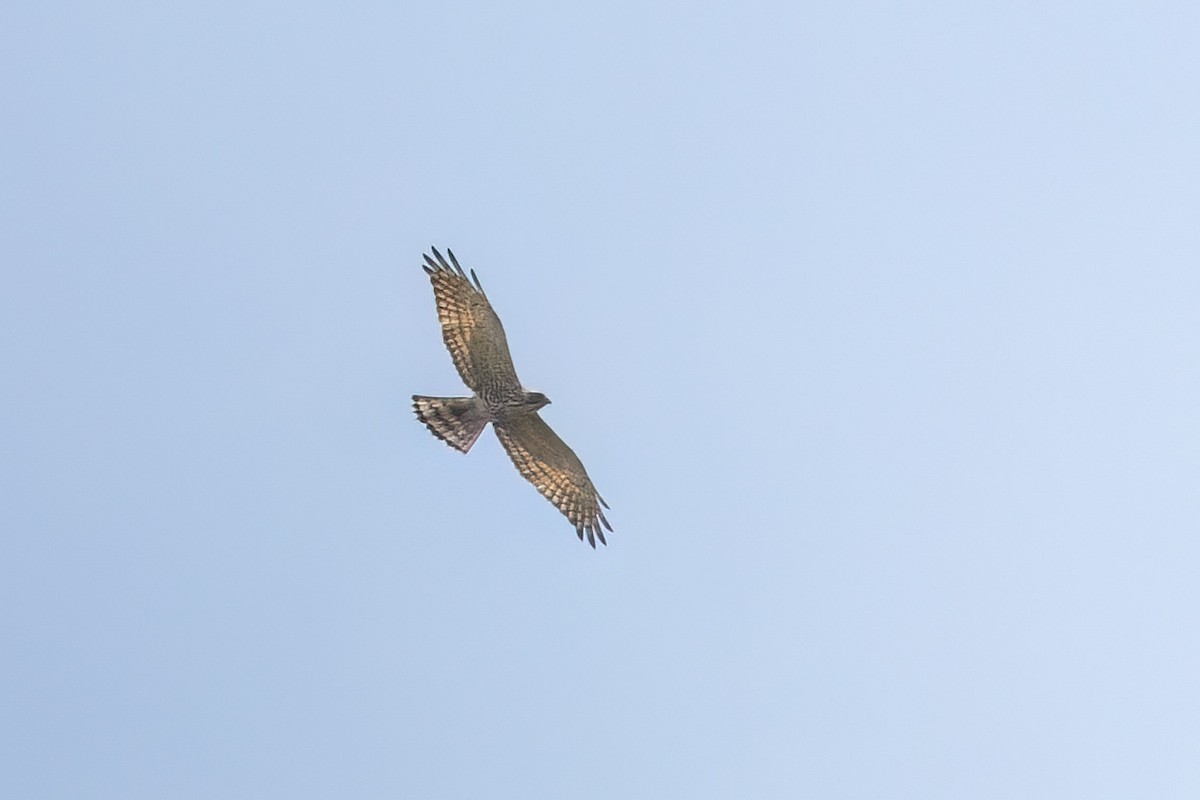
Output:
[[457, 421]]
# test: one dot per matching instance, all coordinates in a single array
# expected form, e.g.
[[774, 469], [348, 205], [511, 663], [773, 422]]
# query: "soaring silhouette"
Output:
[[475, 339]]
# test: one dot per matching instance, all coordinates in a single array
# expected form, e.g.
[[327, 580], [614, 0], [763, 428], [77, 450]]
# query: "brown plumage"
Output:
[[475, 338]]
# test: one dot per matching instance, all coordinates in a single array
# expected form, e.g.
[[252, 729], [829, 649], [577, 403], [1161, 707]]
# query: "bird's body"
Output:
[[475, 338]]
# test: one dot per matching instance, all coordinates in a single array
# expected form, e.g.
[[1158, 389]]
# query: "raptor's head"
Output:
[[535, 400]]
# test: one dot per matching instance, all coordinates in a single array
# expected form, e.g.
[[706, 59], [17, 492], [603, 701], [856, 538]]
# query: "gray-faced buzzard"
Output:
[[475, 339]]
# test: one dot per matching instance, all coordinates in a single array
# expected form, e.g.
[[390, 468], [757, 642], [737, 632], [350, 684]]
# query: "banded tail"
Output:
[[457, 421]]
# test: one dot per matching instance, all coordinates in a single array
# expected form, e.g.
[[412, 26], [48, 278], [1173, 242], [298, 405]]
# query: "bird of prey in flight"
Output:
[[477, 345]]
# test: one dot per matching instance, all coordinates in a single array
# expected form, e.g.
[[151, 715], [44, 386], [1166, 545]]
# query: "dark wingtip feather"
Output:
[[441, 260], [441, 265], [457, 268]]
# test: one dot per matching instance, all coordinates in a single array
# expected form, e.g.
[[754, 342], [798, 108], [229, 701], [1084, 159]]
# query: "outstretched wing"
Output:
[[470, 328], [551, 466]]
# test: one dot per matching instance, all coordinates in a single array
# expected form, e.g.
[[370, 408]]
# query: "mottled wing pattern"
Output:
[[470, 328], [552, 467]]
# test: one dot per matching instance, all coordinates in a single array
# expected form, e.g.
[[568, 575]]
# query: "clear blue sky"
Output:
[[876, 324]]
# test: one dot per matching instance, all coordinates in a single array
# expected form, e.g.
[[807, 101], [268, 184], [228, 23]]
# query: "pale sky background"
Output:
[[876, 324]]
